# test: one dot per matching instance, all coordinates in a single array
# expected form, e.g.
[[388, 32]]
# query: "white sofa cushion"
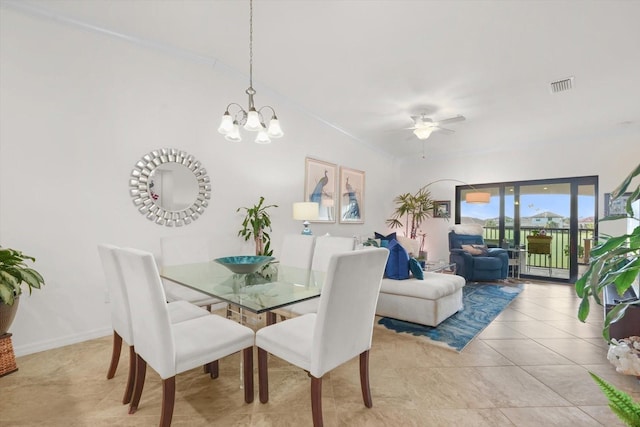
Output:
[[426, 302], [433, 286]]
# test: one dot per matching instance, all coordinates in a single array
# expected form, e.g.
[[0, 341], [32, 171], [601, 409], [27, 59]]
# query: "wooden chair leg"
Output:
[[316, 401], [213, 369], [141, 371], [271, 318], [247, 358], [132, 376], [263, 379], [168, 400], [364, 379], [115, 355]]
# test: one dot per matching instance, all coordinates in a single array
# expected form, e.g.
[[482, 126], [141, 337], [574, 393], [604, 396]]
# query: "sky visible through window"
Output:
[[530, 205]]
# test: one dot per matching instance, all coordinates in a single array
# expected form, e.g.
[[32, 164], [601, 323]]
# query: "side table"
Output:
[[517, 259]]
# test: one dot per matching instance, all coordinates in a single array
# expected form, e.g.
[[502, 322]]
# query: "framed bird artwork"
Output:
[[320, 187], [351, 196]]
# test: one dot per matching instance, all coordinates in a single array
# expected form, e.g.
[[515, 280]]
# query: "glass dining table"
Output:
[[275, 287]]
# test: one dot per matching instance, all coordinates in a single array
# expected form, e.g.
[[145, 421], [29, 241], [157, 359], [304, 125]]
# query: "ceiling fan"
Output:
[[423, 126]]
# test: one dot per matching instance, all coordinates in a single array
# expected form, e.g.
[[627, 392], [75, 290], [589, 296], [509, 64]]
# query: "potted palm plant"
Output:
[[14, 271], [415, 207]]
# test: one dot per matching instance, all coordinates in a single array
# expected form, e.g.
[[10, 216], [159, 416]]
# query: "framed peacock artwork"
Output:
[[320, 181], [351, 196]]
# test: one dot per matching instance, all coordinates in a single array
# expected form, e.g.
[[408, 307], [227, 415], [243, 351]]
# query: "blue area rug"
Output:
[[482, 303]]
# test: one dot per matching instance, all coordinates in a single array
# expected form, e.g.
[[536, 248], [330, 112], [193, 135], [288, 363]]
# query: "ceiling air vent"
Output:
[[562, 85]]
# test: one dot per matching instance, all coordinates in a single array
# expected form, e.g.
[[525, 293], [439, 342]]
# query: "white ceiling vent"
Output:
[[562, 85]]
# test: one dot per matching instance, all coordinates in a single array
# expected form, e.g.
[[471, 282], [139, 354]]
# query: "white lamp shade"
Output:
[[423, 132], [305, 211], [253, 122], [226, 124], [478, 197], [262, 137], [274, 129], [234, 134]]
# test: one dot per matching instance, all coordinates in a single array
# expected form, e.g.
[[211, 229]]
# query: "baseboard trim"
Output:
[[37, 347]]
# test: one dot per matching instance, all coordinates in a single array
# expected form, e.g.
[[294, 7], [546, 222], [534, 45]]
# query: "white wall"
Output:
[[78, 109]]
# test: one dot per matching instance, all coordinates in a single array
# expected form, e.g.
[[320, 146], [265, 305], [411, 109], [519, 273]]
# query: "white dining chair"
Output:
[[171, 349], [296, 251], [341, 330], [186, 249], [325, 247], [121, 317]]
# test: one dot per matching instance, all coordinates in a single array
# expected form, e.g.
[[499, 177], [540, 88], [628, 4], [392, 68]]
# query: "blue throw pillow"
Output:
[[384, 240], [398, 263], [416, 269]]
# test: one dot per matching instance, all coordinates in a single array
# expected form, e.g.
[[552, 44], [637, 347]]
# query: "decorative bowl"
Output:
[[244, 264]]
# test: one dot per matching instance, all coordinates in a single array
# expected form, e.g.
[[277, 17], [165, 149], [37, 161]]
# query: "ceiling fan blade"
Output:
[[444, 130], [399, 129], [452, 120]]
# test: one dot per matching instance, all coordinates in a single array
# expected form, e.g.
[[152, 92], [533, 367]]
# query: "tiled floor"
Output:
[[528, 368]]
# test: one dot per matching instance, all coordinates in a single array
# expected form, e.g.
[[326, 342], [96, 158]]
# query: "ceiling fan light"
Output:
[[226, 124], [275, 131], [423, 132]]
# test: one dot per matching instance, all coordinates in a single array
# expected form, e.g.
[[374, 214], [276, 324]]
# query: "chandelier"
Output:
[[251, 120]]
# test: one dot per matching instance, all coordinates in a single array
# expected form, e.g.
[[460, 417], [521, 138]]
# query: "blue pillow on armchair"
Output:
[[398, 263]]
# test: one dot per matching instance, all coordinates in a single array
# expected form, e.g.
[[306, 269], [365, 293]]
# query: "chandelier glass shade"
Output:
[[251, 119]]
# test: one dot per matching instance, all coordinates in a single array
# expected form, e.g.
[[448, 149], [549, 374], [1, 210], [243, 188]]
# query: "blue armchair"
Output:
[[491, 265]]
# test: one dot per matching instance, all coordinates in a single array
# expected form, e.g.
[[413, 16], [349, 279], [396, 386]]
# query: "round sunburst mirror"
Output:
[[170, 187]]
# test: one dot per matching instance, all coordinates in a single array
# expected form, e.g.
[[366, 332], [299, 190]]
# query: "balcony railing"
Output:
[[559, 245]]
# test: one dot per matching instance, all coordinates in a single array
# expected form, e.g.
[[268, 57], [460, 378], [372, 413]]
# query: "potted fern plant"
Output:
[[14, 271]]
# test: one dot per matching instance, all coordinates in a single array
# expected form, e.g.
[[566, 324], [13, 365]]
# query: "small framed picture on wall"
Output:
[[617, 207], [320, 187], [351, 196], [442, 209]]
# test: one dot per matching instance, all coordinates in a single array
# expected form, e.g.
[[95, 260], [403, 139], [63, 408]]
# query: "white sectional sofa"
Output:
[[426, 302]]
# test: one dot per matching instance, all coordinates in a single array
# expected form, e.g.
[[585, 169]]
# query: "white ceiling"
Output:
[[366, 66]]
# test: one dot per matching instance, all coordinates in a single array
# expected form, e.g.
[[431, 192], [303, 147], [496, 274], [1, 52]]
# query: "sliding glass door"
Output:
[[548, 225]]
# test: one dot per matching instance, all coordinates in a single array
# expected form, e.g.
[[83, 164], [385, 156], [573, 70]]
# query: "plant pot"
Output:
[[539, 244], [7, 314]]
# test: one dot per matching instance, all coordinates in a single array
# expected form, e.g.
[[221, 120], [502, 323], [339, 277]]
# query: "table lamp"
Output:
[[305, 211]]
